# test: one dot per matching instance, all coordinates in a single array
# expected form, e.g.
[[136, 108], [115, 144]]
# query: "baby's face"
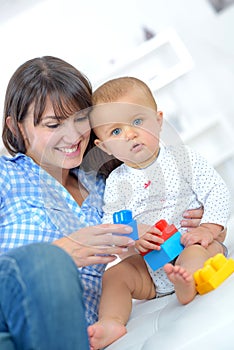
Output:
[[129, 131]]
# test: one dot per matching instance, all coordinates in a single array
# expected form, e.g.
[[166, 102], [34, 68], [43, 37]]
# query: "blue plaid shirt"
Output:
[[34, 207]]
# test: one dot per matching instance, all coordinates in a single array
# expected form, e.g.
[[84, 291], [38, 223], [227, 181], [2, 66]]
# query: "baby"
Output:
[[154, 182]]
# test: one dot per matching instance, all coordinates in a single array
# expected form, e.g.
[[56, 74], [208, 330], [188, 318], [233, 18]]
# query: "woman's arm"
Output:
[[96, 244]]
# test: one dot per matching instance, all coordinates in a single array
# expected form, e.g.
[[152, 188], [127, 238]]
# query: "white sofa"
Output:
[[206, 323]]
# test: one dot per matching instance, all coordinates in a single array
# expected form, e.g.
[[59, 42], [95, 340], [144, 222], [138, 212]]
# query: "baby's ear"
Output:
[[160, 117], [160, 114], [102, 146]]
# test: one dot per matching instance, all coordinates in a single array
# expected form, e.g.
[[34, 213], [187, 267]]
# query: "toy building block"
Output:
[[170, 248], [167, 232], [125, 217], [214, 272]]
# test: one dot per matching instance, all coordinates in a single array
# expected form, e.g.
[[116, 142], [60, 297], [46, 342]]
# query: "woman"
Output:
[[45, 195]]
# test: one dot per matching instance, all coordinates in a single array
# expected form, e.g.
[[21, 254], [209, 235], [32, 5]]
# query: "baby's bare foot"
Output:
[[183, 281], [104, 332]]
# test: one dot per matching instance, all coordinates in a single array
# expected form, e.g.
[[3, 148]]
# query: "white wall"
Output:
[[90, 34], [93, 34]]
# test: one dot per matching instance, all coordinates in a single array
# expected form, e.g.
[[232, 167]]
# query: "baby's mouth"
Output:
[[137, 147]]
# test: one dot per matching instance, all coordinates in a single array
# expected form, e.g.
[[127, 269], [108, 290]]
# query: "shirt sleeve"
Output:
[[210, 189], [4, 182], [91, 276]]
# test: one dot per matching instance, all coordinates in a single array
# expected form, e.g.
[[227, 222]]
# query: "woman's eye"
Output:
[[137, 122], [53, 126], [116, 131]]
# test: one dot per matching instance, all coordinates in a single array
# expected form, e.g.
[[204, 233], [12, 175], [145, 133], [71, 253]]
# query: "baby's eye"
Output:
[[137, 122], [116, 131]]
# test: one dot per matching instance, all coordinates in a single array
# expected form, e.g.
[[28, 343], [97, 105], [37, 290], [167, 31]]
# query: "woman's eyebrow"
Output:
[[54, 117]]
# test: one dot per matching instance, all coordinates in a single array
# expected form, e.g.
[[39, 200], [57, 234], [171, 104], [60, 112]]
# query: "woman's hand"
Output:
[[96, 244], [192, 218]]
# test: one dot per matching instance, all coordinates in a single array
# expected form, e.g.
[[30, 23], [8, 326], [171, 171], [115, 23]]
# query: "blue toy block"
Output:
[[170, 249], [125, 217]]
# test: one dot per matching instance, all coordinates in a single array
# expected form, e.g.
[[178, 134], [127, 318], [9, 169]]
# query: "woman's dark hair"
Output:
[[68, 90], [35, 81], [97, 160]]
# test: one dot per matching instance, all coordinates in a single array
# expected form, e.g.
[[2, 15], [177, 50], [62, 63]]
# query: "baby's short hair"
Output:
[[116, 88]]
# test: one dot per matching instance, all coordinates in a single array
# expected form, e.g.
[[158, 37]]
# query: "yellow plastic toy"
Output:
[[214, 272]]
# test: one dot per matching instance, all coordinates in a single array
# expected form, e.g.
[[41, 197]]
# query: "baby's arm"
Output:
[[147, 241], [149, 238], [212, 191], [204, 234]]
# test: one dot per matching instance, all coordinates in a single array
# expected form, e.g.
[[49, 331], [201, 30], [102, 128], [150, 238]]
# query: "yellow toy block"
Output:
[[214, 272]]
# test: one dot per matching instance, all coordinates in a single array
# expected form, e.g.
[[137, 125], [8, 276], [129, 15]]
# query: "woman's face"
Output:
[[56, 143]]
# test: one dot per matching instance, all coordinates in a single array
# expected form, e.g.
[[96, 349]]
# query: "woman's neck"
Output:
[[71, 183], [67, 180], [60, 174]]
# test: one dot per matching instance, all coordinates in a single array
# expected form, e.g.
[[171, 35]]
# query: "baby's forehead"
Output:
[[117, 112]]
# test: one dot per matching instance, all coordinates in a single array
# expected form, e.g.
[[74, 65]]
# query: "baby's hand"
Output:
[[150, 240], [201, 235]]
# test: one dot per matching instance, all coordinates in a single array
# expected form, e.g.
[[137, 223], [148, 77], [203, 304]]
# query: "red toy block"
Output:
[[167, 232]]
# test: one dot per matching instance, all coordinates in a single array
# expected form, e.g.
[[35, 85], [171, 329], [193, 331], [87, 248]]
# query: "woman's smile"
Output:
[[70, 151]]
